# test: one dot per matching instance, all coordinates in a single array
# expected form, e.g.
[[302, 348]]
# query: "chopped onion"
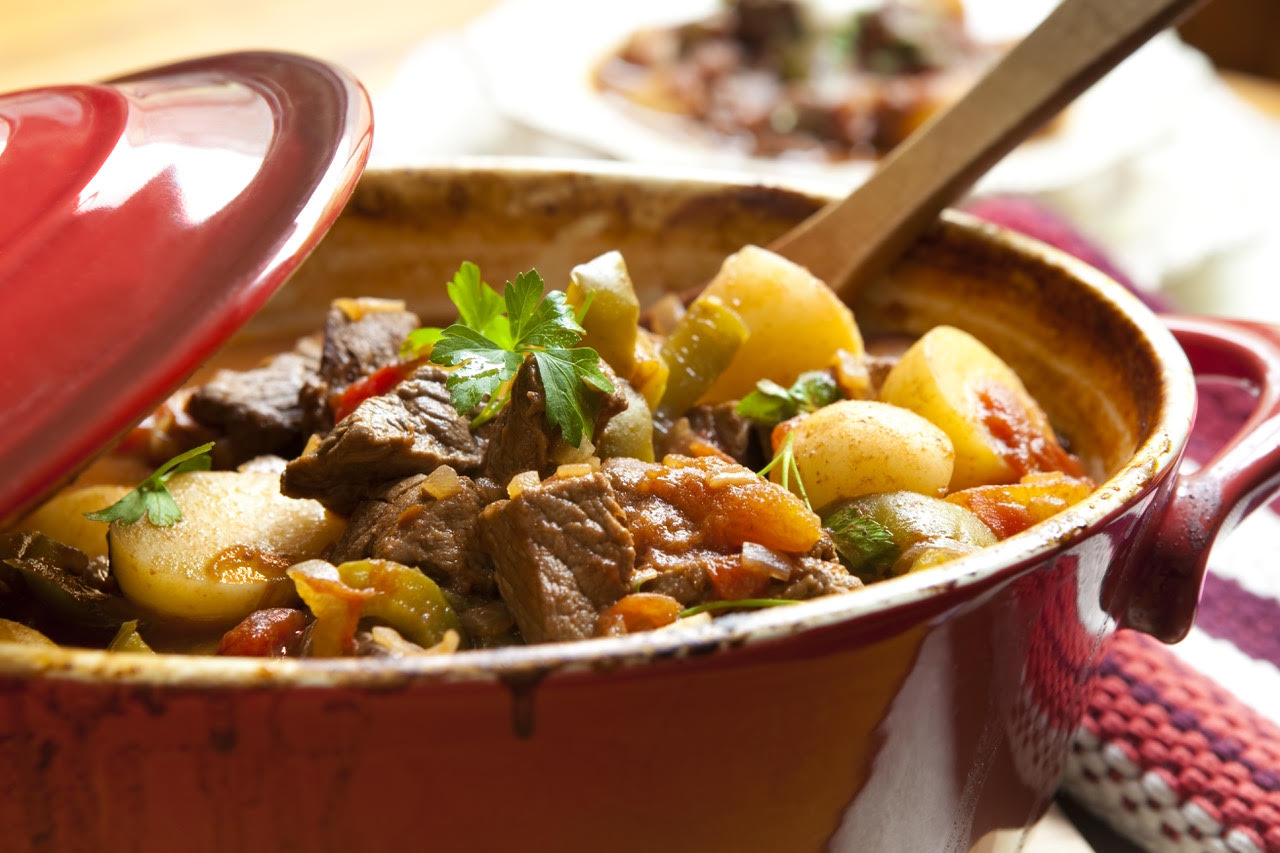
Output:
[[758, 558], [442, 483], [392, 643], [577, 469], [355, 309], [520, 482], [852, 375], [703, 618], [313, 443], [268, 463], [642, 577], [734, 477]]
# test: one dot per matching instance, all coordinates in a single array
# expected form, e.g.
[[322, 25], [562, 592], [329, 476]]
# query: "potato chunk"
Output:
[[228, 554], [857, 447], [998, 430], [16, 632], [796, 322], [62, 517]]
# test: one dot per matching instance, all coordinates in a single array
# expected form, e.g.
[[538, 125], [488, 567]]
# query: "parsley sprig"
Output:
[[733, 604], [785, 458], [865, 546], [151, 497], [493, 337], [771, 404]]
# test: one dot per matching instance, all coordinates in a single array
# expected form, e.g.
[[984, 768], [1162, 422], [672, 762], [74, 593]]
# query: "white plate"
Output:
[[1159, 163], [538, 57]]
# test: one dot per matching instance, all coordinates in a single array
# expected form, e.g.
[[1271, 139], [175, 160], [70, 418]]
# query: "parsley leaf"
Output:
[[483, 366], [418, 341], [772, 404], [151, 497], [479, 305], [550, 324], [565, 374], [865, 546], [493, 337]]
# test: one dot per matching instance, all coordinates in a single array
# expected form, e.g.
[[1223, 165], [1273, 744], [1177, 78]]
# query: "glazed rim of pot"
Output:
[[1158, 450]]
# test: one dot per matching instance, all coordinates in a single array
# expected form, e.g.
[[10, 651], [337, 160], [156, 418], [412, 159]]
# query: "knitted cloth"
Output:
[[1169, 757]]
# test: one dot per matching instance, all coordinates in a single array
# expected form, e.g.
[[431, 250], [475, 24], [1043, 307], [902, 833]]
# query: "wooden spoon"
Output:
[[849, 242]]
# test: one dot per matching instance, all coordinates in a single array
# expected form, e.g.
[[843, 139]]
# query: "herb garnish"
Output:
[[729, 605], [865, 546], [151, 497], [786, 457], [771, 404], [495, 334]]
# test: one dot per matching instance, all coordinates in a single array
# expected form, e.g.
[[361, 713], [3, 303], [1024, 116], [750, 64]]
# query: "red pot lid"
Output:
[[144, 220]]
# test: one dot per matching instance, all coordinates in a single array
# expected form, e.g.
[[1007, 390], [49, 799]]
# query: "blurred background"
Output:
[[1171, 166]]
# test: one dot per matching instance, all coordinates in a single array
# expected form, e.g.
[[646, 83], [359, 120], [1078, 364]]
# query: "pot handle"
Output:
[[1242, 476]]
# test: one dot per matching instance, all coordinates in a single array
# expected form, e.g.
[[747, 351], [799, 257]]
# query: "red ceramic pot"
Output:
[[929, 712]]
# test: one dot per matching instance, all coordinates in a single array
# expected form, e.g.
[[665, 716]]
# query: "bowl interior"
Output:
[[1076, 343], [1110, 376]]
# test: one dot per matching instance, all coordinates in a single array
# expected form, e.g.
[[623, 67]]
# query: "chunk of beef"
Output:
[[412, 430], [271, 633], [666, 540], [406, 524], [487, 623], [817, 573], [717, 428], [360, 336], [59, 590], [522, 439], [256, 411], [683, 577], [814, 577], [721, 426], [561, 553]]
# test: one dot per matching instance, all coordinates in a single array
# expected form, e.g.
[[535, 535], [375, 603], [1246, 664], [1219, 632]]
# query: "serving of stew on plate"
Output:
[[545, 468], [777, 78]]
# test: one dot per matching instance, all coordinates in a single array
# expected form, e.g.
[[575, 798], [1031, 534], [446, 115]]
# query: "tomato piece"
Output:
[[1026, 447], [375, 384], [732, 580], [640, 611], [731, 504], [274, 632], [1010, 509]]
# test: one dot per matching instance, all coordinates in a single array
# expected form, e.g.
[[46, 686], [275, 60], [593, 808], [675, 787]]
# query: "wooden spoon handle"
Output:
[[851, 241]]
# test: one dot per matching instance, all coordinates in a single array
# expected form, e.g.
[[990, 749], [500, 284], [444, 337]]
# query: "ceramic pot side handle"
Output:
[[1242, 476]]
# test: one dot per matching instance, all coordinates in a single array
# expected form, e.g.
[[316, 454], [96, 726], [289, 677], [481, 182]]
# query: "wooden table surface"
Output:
[[46, 42]]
